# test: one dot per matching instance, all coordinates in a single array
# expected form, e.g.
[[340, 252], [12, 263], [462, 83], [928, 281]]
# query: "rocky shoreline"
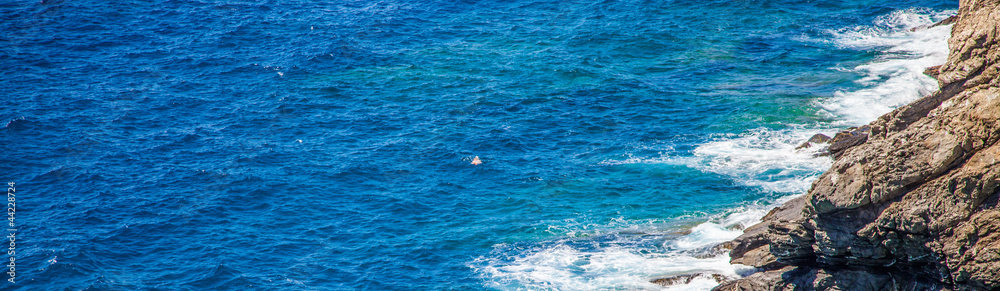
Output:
[[911, 201]]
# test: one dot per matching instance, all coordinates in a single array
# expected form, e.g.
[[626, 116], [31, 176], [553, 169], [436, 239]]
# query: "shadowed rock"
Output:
[[815, 139], [686, 279], [848, 139]]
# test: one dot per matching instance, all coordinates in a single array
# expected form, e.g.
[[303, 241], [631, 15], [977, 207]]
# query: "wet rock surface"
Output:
[[847, 139], [686, 279], [911, 201]]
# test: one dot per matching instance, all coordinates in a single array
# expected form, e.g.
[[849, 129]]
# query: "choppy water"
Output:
[[295, 145]]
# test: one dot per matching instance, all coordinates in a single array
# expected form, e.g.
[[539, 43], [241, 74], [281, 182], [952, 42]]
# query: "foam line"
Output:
[[896, 78], [761, 158]]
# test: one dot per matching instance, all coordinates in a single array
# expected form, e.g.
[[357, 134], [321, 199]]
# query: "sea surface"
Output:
[[328, 145]]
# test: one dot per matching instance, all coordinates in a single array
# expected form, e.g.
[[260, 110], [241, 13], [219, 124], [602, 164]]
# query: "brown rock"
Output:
[[753, 247], [686, 279], [911, 201], [946, 21], [769, 281], [848, 139], [933, 71], [819, 138], [815, 139], [813, 278]]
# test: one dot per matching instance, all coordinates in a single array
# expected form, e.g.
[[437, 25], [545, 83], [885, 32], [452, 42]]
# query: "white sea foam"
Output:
[[768, 159], [613, 261], [907, 48], [569, 267], [719, 229], [764, 158], [761, 158]]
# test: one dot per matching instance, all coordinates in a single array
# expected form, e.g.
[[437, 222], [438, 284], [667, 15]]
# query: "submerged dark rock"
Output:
[[818, 138], [847, 139], [946, 21], [686, 279], [911, 201]]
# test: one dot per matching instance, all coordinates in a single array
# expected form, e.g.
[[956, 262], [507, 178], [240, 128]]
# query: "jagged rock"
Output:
[[686, 279], [973, 57], [972, 251], [848, 139], [933, 71], [791, 242], [815, 139], [819, 138], [753, 247], [911, 201], [946, 21], [813, 278], [769, 281]]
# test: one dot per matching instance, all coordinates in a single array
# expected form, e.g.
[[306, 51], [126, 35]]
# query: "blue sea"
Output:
[[310, 145]]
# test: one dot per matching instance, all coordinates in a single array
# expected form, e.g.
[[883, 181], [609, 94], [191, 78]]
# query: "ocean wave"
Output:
[[907, 46], [766, 159], [627, 258], [571, 265]]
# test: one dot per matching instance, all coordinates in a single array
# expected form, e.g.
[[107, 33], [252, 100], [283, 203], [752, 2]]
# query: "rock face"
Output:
[[910, 204]]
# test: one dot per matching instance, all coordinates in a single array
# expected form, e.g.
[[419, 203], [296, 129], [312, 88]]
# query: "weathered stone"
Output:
[[933, 71], [762, 281], [791, 242], [686, 279], [759, 257], [819, 138], [947, 21], [848, 139], [753, 247], [972, 251]]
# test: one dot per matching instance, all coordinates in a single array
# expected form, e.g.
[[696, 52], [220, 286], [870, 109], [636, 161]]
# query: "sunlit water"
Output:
[[327, 146]]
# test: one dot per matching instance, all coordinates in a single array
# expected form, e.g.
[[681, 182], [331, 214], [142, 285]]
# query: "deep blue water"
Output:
[[299, 145]]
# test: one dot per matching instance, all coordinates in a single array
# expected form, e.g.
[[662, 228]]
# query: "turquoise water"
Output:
[[261, 145]]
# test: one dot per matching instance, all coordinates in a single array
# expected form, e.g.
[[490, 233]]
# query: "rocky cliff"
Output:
[[914, 205]]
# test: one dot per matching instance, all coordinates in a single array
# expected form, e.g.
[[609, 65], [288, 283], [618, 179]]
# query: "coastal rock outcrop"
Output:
[[911, 201]]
